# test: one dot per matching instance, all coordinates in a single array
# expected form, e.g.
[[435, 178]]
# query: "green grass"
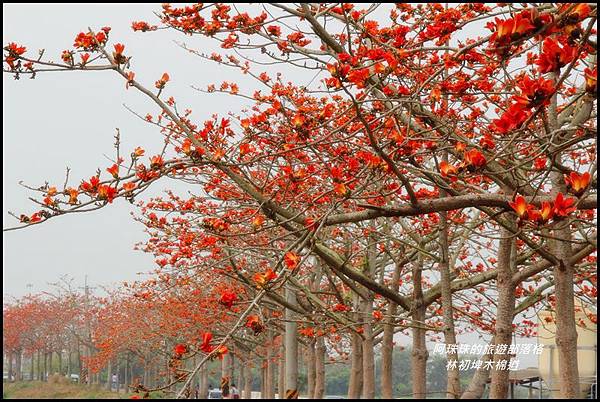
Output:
[[46, 390]]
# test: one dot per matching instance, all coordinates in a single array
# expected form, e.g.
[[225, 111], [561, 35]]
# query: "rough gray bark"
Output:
[[204, 384], [247, 383], [310, 369], [32, 366], [419, 353], [355, 381], [39, 365], [366, 317], [126, 374], [453, 389], [108, 375], [477, 385], [320, 353], [566, 331], [10, 366], [270, 366], [281, 373], [263, 380], [45, 377], [291, 344], [504, 314], [387, 343], [18, 361]]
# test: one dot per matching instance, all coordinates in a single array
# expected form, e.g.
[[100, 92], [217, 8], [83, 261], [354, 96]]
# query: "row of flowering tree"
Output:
[[435, 177]]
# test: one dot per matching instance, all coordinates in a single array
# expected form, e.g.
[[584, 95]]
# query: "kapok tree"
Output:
[[419, 119]]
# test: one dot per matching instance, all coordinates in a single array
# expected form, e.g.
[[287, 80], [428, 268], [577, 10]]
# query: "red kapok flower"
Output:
[[520, 206], [262, 279], [142, 26], [206, 340], [228, 298], [222, 351], [253, 322], [106, 192], [340, 307], [298, 120], [340, 189], [447, 169], [534, 92], [35, 218], [15, 50], [577, 183], [474, 158], [119, 47], [114, 171], [156, 162], [129, 186], [180, 349], [91, 186], [138, 152], [546, 212], [309, 332], [554, 56], [291, 259], [72, 195], [563, 206], [591, 80], [160, 84]]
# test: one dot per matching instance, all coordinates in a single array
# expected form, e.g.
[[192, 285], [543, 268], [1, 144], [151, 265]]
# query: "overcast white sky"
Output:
[[65, 119]]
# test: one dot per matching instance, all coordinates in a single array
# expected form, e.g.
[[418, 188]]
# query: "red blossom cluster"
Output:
[[142, 26], [90, 42], [561, 208]]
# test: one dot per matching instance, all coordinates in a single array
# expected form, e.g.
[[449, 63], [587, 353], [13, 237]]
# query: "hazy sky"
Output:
[[65, 119]]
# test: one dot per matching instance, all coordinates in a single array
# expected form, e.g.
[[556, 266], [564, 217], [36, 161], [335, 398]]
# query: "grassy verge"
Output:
[[46, 390]]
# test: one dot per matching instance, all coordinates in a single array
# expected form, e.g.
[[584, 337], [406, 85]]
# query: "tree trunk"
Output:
[[263, 380], [69, 362], [356, 377], [39, 365], [19, 360], [368, 391], [241, 381], [281, 372], [45, 376], [566, 331], [419, 354], [60, 362], [291, 347], [10, 366], [320, 353], [387, 343], [453, 389], [504, 316], [118, 371], [226, 371], [248, 383], [270, 366], [88, 353], [109, 375], [310, 369], [126, 374], [477, 385], [146, 375], [31, 372]]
